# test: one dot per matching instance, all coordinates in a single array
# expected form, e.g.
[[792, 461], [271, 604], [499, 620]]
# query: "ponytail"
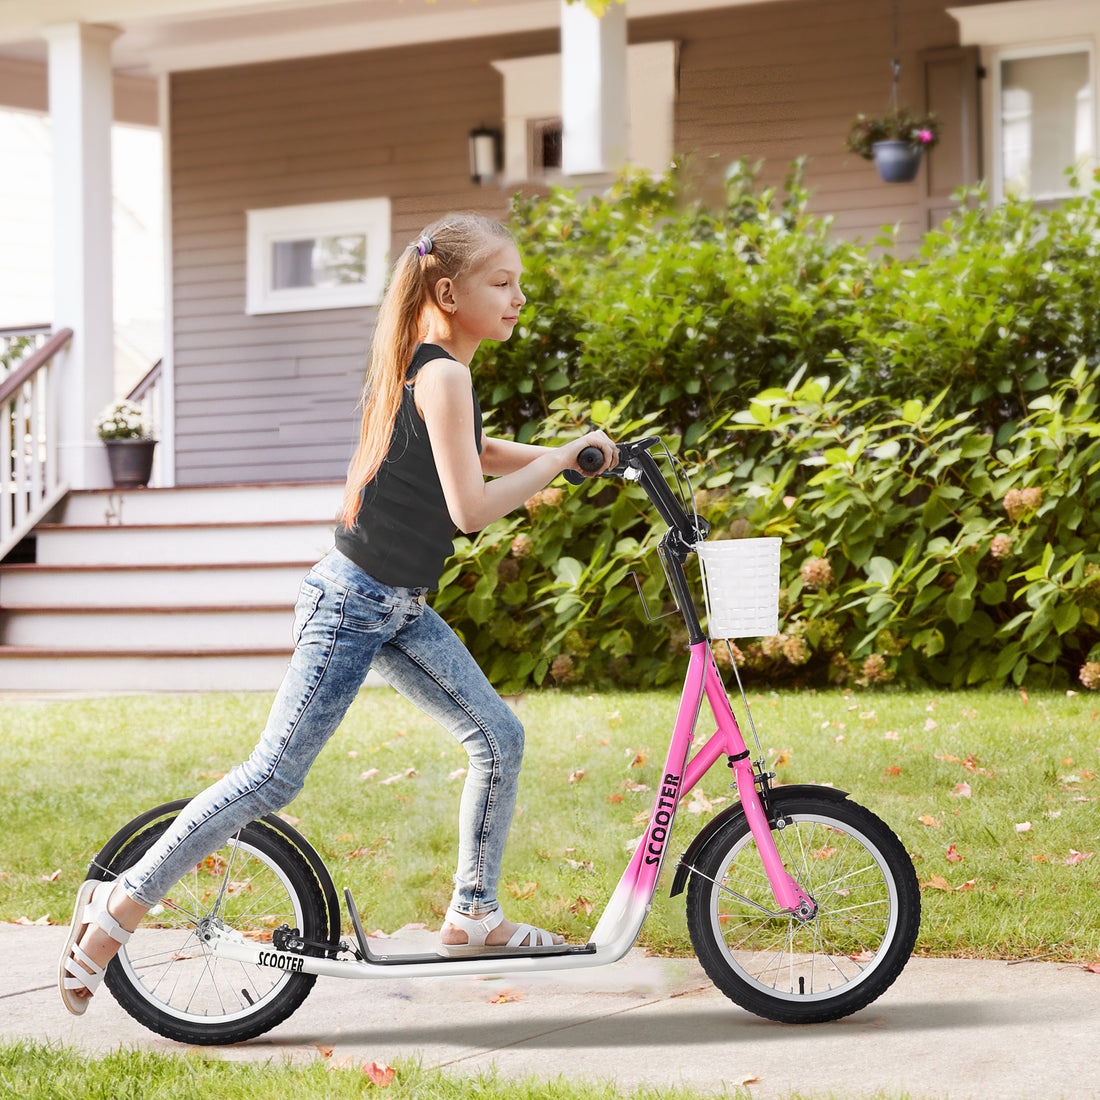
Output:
[[446, 249]]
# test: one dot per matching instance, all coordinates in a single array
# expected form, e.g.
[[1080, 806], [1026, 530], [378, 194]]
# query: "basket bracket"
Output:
[[641, 595]]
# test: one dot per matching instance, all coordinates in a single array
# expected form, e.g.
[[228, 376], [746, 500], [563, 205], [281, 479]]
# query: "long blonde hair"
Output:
[[447, 248]]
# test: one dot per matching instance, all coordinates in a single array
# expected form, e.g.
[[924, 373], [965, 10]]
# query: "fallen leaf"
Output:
[[325, 1052], [614, 719], [699, 803], [930, 724], [961, 790], [1076, 857], [640, 758], [636, 788], [929, 821], [614, 798], [1023, 827], [1093, 968], [370, 773], [522, 889], [507, 997], [743, 1081], [937, 882], [953, 854], [891, 735], [1023, 697], [824, 853], [353, 754], [863, 956], [458, 773], [783, 759], [968, 885], [577, 776], [408, 773], [579, 865], [52, 877], [893, 769], [581, 905], [378, 1075]]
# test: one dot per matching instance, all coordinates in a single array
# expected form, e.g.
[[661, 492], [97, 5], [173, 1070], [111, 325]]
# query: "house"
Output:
[[307, 140]]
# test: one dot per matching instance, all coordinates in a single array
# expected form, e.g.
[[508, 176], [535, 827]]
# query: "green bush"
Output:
[[920, 431]]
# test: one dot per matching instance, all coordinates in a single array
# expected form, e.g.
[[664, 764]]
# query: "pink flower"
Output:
[[925, 136]]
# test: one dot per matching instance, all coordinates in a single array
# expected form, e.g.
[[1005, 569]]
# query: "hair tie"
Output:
[[423, 246]]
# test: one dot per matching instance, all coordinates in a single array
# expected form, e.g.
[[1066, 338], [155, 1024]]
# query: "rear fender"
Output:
[[101, 865], [776, 797]]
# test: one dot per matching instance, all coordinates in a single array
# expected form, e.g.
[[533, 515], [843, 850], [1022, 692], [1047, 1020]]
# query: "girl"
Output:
[[419, 472]]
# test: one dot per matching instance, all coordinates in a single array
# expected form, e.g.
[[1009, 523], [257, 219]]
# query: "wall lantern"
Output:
[[486, 159]]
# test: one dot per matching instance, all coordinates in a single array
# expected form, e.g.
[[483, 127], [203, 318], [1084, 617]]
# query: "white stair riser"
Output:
[[232, 504], [138, 587], [182, 545], [174, 630], [140, 675]]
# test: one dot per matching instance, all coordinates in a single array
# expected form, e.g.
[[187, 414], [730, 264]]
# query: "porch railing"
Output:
[[30, 473]]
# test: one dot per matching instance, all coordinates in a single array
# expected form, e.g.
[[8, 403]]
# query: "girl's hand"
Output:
[[597, 439]]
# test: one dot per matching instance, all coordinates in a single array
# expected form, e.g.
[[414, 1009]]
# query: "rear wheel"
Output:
[[167, 978], [842, 958]]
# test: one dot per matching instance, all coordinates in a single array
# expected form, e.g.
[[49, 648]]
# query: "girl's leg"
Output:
[[431, 667], [341, 618]]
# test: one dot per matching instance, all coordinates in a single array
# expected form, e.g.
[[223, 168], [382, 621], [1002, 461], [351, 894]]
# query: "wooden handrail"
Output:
[[8, 331], [148, 380], [14, 382]]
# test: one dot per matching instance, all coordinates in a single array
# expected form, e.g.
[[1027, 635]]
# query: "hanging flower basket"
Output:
[[895, 142], [896, 161]]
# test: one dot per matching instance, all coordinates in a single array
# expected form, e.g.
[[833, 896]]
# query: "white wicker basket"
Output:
[[741, 586]]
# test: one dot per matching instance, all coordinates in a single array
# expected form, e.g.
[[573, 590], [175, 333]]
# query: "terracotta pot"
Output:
[[131, 461], [896, 161]]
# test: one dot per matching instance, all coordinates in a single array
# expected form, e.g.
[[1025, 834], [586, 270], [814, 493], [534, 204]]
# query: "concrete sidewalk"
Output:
[[947, 1028]]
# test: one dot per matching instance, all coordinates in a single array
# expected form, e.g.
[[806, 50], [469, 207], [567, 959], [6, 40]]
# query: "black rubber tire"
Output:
[[167, 979], [839, 961]]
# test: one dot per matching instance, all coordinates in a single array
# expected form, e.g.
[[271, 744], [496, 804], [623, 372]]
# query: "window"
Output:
[[320, 256], [1044, 119], [544, 143]]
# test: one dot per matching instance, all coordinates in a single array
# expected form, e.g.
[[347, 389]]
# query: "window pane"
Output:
[[319, 262], [1046, 121]]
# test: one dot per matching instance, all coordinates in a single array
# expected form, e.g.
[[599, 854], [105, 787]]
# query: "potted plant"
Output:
[[894, 141], [129, 445]]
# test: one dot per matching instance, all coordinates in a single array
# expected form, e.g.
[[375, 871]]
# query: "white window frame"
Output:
[[272, 225], [1017, 53]]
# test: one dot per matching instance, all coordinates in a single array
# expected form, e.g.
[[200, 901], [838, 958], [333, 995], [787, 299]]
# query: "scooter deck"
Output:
[[403, 959]]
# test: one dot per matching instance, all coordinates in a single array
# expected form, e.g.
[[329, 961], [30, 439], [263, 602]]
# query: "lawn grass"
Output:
[[992, 793], [36, 1071]]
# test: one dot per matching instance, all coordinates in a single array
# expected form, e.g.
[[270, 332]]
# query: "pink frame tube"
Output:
[[681, 774]]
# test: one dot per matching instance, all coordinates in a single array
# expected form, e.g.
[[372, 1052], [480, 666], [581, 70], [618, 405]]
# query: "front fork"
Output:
[[752, 789]]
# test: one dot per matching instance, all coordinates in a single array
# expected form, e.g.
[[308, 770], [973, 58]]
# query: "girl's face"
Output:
[[487, 299]]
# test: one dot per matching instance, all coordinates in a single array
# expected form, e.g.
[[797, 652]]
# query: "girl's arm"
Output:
[[443, 398], [503, 456]]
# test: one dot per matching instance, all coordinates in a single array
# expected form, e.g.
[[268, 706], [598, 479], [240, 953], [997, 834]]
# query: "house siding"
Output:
[[272, 398]]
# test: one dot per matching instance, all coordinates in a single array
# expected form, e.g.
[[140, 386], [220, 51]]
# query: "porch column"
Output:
[[593, 89], [81, 113]]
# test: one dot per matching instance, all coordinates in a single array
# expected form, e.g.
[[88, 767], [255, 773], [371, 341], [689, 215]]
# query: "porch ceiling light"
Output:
[[486, 159]]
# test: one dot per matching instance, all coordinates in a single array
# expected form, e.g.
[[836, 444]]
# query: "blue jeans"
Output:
[[344, 622]]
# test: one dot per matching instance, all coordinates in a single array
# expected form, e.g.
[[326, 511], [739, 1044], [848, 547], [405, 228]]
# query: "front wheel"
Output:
[[842, 958], [166, 977]]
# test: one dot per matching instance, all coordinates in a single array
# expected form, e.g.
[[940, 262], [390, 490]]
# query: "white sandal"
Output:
[[477, 930], [90, 908]]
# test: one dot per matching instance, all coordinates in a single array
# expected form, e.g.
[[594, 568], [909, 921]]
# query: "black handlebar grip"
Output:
[[591, 460]]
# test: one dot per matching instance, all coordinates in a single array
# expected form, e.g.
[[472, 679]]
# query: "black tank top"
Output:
[[404, 534]]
